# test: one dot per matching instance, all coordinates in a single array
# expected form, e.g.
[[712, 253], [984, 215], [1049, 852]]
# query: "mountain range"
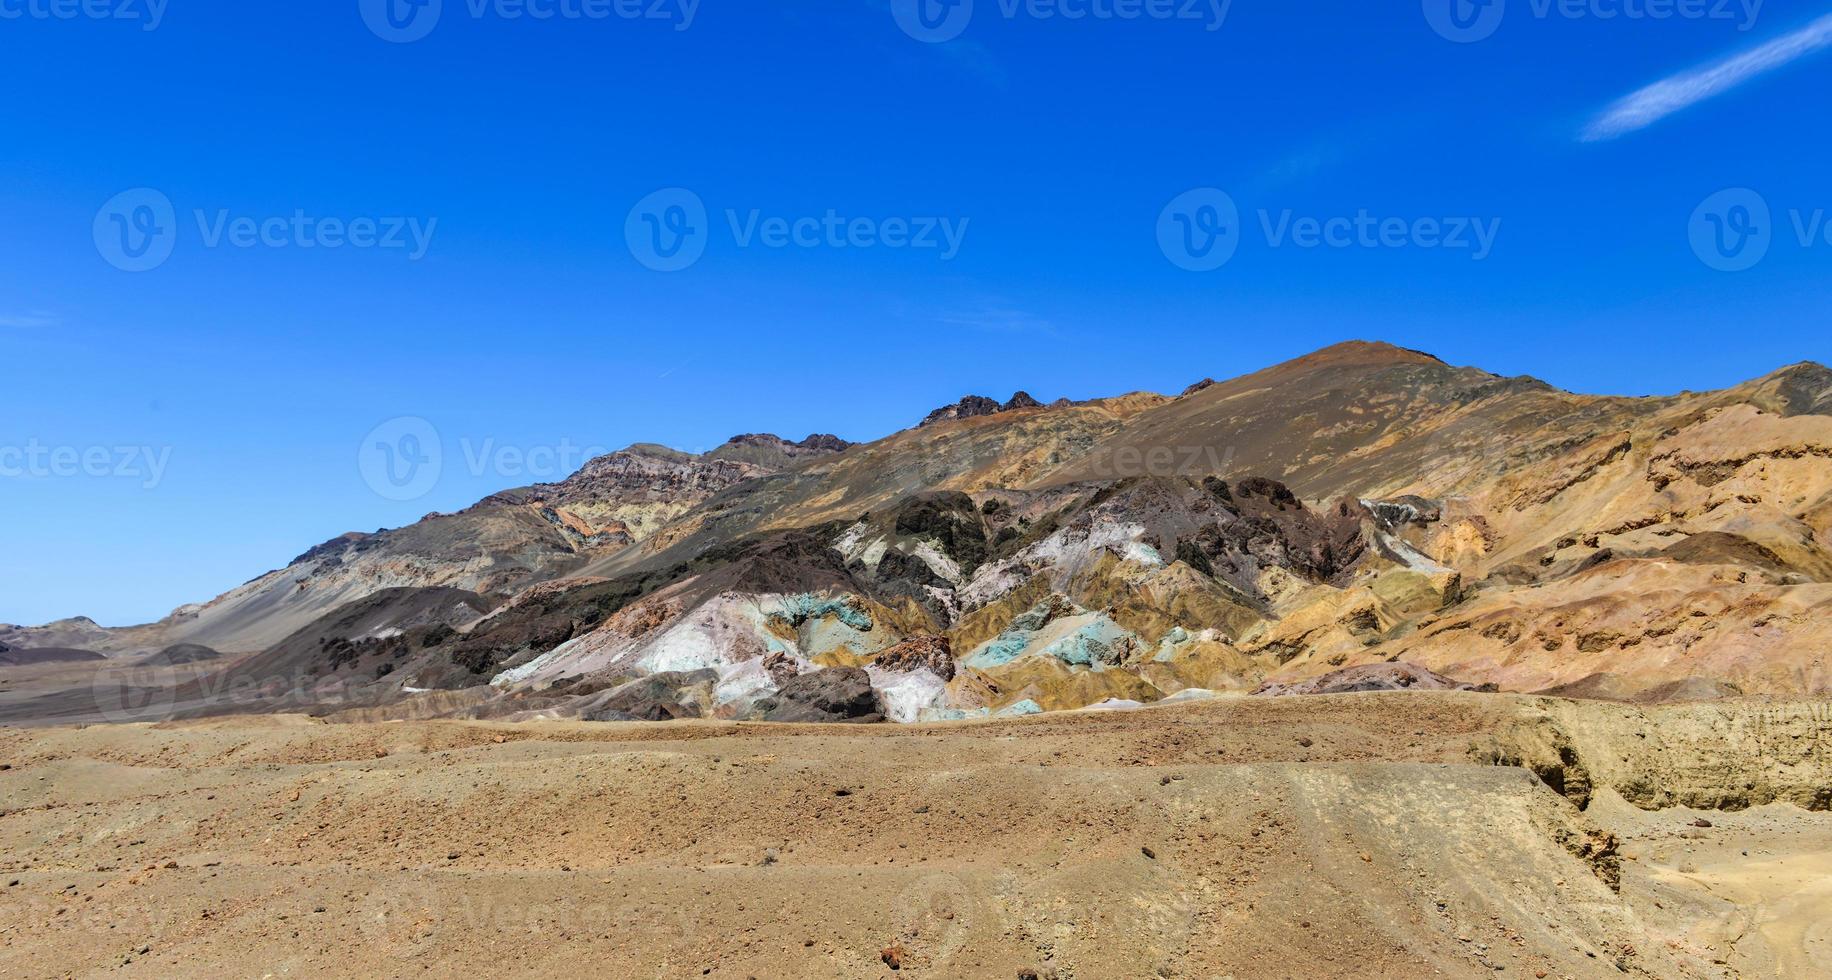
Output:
[[1364, 506]]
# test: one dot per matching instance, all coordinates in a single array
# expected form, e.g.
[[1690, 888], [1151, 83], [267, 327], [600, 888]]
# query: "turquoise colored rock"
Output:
[[1001, 650], [1018, 709], [1167, 647], [1010, 644], [799, 609], [1096, 645]]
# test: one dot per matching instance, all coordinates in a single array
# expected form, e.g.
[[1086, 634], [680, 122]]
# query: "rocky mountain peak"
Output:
[[817, 443], [974, 406]]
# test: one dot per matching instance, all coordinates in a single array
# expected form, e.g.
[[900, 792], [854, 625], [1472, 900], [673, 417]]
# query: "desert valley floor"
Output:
[[1413, 834]]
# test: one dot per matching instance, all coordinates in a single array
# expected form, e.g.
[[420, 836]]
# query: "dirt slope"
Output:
[[1353, 836]]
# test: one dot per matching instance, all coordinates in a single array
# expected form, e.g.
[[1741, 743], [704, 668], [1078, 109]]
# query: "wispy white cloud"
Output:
[[27, 321], [1682, 91]]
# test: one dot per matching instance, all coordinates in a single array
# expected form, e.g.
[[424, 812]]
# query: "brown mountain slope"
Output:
[[1359, 505]]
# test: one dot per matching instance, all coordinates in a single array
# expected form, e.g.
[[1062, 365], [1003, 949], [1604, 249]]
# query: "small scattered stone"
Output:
[[1701, 822], [892, 957], [1305, 742], [1148, 852]]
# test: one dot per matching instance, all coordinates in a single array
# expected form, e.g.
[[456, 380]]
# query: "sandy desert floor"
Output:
[[1352, 836]]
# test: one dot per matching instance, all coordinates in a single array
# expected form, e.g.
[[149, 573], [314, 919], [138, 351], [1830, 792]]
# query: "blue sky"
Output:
[[1051, 145]]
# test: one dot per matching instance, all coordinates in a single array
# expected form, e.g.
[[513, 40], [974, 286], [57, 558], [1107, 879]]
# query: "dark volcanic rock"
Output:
[[972, 406], [1371, 677], [916, 653], [904, 575], [334, 549], [658, 697], [896, 566], [182, 653], [1271, 527], [951, 520], [818, 444], [834, 694], [823, 442]]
